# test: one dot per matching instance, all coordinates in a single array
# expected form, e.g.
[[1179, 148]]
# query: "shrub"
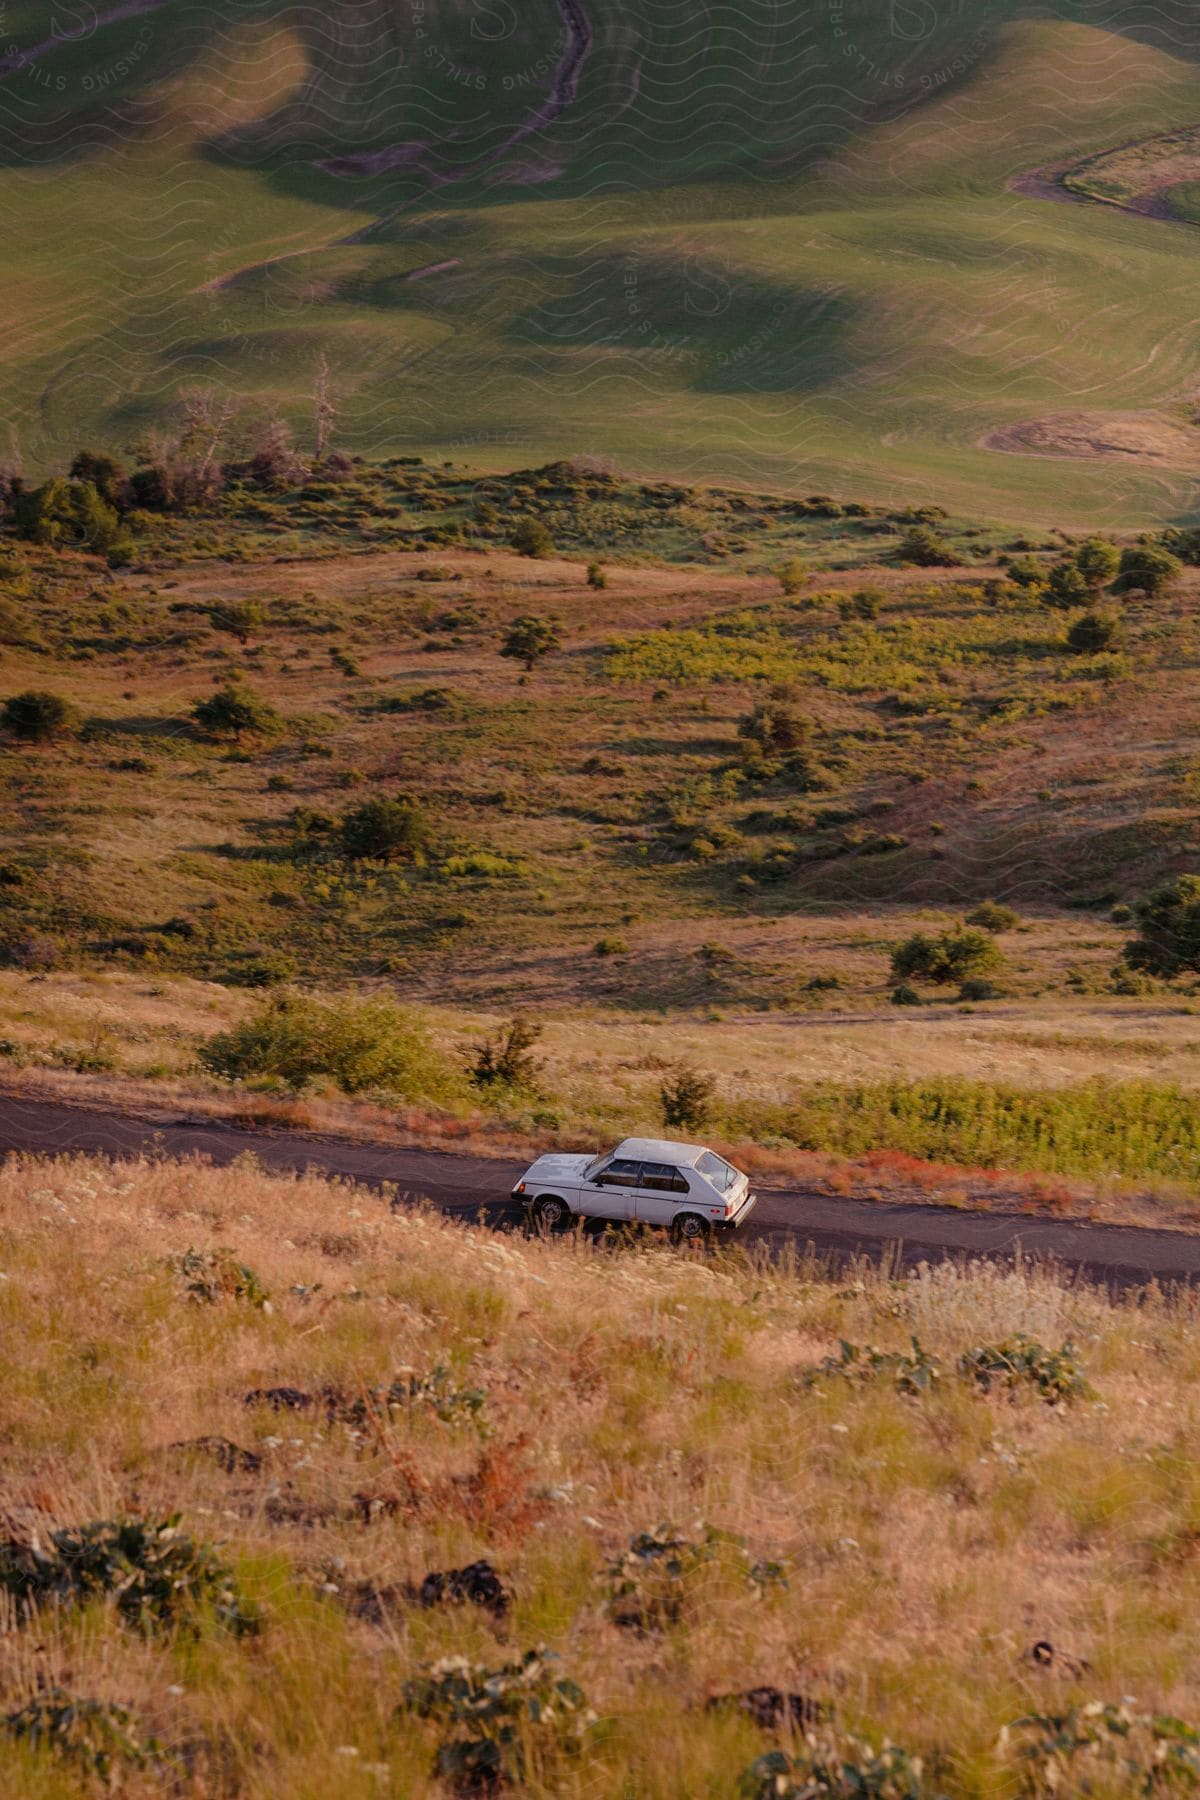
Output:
[[978, 989], [775, 724], [596, 577], [1169, 928], [500, 1725], [864, 604], [506, 1060], [840, 1768], [656, 1582], [925, 549], [157, 1576], [1019, 1362], [37, 716], [1101, 1748], [530, 537], [210, 1276], [97, 1737], [238, 617], [914, 1374], [385, 830], [991, 916], [1027, 573], [71, 513], [790, 575], [685, 1098], [529, 639], [437, 1391], [610, 946], [1094, 632], [1066, 586], [1148, 567], [106, 474], [364, 1044], [1098, 561], [952, 956], [234, 710], [905, 995]]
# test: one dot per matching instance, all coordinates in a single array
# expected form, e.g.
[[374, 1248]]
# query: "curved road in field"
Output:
[[478, 1188]]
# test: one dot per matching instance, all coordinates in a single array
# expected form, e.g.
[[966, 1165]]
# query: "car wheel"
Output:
[[689, 1228], [551, 1214]]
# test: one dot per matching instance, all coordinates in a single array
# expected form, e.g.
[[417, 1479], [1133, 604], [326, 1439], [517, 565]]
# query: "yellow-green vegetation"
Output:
[[431, 1505]]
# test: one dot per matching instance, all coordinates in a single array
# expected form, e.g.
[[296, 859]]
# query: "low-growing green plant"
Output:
[[529, 639], [210, 1276], [531, 537], [438, 1392], [658, 1581], [685, 1099], [1020, 1362], [1102, 1748], [915, 1374], [1148, 568], [234, 710], [989, 915], [840, 1768], [385, 829], [295, 1040], [501, 1726], [157, 1576], [1094, 632], [95, 1736], [38, 716], [950, 956], [506, 1060]]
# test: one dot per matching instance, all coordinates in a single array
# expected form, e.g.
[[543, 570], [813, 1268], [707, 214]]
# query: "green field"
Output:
[[796, 261]]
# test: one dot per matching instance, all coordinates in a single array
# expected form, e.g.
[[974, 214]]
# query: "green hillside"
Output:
[[771, 244]]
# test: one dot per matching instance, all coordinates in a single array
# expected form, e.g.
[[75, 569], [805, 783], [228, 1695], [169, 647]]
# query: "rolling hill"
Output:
[[794, 245]]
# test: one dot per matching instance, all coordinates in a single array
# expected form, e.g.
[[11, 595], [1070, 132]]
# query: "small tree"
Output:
[[37, 716], [385, 830], [1093, 632], [1150, 568], [529, 639], [506, 1060], [596, 577], [530, 537], [1066, 586], [238, 617], [686, 1099], [950, 956], [235, 709], [1097, 561], [1168, 938], [106, 474]]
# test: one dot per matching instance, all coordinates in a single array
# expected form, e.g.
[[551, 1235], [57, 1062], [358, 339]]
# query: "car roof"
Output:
[[660, 1150]]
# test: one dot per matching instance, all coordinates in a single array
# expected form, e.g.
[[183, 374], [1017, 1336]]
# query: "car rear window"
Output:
[[716, 1171], [663, 1179]]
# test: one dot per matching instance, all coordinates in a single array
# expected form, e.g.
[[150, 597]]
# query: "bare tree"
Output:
[[324, 410]]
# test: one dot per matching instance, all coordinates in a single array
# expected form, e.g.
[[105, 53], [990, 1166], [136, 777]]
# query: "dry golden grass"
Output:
[[931, 1541]]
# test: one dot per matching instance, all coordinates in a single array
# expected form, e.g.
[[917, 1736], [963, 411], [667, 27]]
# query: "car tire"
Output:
[[689, 1228], [550, 1213]]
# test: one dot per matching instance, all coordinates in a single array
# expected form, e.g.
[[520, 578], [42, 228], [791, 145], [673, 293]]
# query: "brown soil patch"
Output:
[[1146, 437]]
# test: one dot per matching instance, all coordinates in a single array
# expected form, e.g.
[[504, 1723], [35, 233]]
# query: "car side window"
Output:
[[621, 1172], [663, 1179]]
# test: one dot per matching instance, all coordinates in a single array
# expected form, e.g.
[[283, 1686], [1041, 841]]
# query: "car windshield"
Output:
[[718, 1173], [596, 1164]]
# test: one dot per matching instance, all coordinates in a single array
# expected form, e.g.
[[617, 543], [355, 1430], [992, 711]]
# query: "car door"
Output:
[[612, 1191], [662, 1190]]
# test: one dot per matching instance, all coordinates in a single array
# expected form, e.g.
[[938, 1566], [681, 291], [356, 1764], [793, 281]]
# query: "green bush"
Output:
[[235, 709], [211, 1276], [1094, 632], [528, 639], [295, 1040], [915, 1374], [157, 1576], [1027, 573], [1148, 567], [596, 577], [530, 537], [659, 1580], [506, 1061], [37, 716], [506, 1725], [990, 915], [951, 956], [1019, 1362], [775, 724], [1101, 1748], [385, 830], [1066, 586], [831, 1768], [926, 550], [685, 1099], [1168, 940], [437, 1392], [93, 1736], [1098, 561]]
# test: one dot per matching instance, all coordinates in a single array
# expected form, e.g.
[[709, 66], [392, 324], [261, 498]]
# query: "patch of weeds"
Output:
[[652, 1584], [1019, 1361], [1100, 1747], [94, 1735], [210, 1276], [915, 1374], [479, 1583], [159, 1577], [847, 1769], [503, 1726], [438, 1391]]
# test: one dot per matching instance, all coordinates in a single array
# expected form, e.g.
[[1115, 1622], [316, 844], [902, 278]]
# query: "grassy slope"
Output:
[[774, 265], [622, 1390]]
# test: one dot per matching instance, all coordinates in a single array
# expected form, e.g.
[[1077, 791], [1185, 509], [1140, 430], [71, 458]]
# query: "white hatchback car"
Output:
[[687, 1188]]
